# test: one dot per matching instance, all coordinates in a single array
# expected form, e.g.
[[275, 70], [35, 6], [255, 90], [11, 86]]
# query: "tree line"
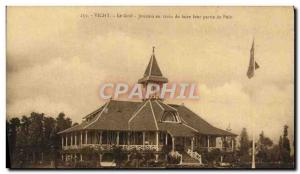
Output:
[[267, 152], [34, 138]]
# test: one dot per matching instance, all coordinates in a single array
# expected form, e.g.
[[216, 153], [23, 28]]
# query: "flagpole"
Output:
[[253, 129], [251, 71]]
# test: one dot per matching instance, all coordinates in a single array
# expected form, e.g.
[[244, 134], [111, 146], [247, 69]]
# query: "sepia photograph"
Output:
[[150, 87]]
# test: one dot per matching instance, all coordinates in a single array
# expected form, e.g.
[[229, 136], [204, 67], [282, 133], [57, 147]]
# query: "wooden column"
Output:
[[222, 139], [92, 134], [86, 138], [75, 139], [62, 141], [144, 139], [208, 142], [173, 144], [95, 137], [118, 138], [80, 137], [100, 141], [71, 139], [166, 138], [80, 157], [157, 141], [232, 144], [156, 157], [100, 158], [192, 144], [66, 139], [128, 138]]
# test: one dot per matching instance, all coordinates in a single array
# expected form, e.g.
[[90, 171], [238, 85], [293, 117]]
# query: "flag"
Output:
[[253, 65]]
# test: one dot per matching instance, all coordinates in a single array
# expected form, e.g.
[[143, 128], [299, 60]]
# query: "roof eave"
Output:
[[152, 79]]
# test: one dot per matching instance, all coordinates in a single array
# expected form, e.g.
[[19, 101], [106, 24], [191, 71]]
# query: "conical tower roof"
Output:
[[153, 72]]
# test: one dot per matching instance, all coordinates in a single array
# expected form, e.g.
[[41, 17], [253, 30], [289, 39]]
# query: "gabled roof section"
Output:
[[78, 127], [89, 119], [93, 114], [153, 72], [194, 121], [144, 118], [177, 130], [158, 110], [116, 116]]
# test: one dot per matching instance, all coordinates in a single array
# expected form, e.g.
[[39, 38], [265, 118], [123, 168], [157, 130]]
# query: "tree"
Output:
[[22, 142], [35, 137], [284, 146], [12, 128], [274, 153], [62, 123], [244, 146], [36, 132], [49, 137], [285, 140], [263, 147]]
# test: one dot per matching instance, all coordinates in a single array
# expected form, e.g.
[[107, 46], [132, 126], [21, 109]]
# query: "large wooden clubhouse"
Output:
[[148, 125]]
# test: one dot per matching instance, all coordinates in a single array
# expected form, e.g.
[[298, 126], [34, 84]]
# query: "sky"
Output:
[[57, 60]]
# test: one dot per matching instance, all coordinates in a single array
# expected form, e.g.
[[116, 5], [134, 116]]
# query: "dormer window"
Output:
[[170, 117]]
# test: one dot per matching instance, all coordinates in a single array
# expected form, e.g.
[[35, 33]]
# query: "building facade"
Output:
[[148, 125]]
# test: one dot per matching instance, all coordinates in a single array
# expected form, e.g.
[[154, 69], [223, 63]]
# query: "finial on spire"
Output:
[[153, 49]]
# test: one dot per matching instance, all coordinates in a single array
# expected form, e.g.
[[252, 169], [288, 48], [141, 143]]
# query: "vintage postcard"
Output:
[[150, 87]]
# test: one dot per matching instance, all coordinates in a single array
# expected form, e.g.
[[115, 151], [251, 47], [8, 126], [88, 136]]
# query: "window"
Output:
[[169, 117]]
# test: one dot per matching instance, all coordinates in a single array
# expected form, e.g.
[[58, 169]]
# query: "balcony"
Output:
[[109, 147]]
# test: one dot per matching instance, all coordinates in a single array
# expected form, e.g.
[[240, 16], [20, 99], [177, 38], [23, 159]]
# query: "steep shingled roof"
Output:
[[143, 119], [116, 116], [153, 72], [153, 68], [195, 121], [146, 115]]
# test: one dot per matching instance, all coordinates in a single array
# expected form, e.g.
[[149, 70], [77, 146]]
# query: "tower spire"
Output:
[[153, 73]]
